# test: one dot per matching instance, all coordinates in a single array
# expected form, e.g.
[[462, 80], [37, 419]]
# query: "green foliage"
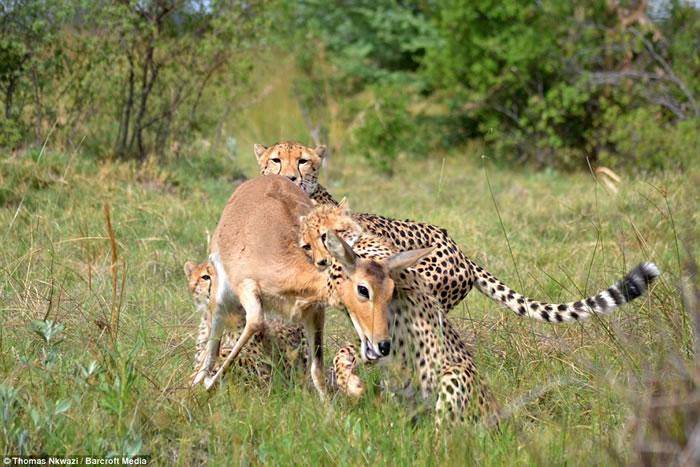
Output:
[[161, 77], [541, 80], [545, 82], [386, 128], [367, 41], [639, 140], [536, 81]]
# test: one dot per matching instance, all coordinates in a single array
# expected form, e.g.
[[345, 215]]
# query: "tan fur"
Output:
[[423, 339], [279, 343], [255, 253], [329, 218], [292, 160]]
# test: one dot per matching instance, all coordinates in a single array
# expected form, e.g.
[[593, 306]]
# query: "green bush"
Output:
[[10, 133], [386, 128], [640, 140]]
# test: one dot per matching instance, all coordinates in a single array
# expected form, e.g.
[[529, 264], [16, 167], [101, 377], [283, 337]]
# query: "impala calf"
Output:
[[260, 267]]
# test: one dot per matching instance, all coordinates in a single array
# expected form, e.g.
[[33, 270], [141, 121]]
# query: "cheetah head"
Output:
[[295, 161], [316, 225], [199, 282]]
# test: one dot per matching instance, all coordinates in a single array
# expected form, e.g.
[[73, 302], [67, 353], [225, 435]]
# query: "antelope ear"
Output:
[[341, 251], [259, 150], [406, 259], [189, 267], [320, 151]]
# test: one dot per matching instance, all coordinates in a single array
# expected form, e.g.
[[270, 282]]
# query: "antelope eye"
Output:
[[276, 160], [363, 291], [303, 161], [206, 277], [306, 247]]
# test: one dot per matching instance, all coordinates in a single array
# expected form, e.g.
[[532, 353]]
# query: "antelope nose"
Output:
[[292, 178], [322, 262], [385, 347]]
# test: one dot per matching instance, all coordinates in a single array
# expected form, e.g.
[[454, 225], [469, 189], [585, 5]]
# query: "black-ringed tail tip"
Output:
[[632, 286]]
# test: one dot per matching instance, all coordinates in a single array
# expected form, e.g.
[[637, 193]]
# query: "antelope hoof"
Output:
[[209, 382], [199, 376]]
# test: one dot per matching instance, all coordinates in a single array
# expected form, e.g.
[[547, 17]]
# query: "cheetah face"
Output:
[[316, 225], [199, 282], [298, 163]]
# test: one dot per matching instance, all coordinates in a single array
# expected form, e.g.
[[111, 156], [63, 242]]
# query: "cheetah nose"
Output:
[[292, 178], [385, 347]]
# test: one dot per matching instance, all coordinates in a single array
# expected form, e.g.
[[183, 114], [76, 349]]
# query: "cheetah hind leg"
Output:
[[463, 395], [455, 388]]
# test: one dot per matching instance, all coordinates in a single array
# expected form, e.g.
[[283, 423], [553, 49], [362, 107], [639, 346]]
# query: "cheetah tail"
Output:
[[633, 285]]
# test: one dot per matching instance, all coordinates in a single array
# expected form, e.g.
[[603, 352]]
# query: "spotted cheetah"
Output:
[[423, 340], [278, 342], [447, 273]]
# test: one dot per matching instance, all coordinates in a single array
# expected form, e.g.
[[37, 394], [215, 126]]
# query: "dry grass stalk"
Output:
[[116, 301]]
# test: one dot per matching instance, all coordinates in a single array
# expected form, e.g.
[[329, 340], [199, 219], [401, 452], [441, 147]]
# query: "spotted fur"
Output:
[[423, 340], [449, 275], [297, 162], [279, 343]]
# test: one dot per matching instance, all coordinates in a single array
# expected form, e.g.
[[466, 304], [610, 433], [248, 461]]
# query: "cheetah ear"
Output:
[[259, 150], [341, 251], [406, 259], [344, 205], [320, 151], [302, 219], [189, 267]]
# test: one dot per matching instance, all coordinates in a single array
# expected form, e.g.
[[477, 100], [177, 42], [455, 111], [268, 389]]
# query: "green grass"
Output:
[[574, 392]]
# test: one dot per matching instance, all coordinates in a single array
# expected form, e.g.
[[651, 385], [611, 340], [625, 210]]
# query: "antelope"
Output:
[[261, 267]]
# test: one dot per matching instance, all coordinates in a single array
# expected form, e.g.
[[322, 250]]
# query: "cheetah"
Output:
[[424, 342], [276, 342], [448, 274], [254, 251]]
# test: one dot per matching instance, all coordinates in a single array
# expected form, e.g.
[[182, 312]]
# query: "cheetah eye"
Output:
[[276, 160], [306, 247], [206, 277], [323, 237], [363, 291], [303, 161]]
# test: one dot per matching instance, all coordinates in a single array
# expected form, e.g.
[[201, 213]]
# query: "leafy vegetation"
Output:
[[555, 84]]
